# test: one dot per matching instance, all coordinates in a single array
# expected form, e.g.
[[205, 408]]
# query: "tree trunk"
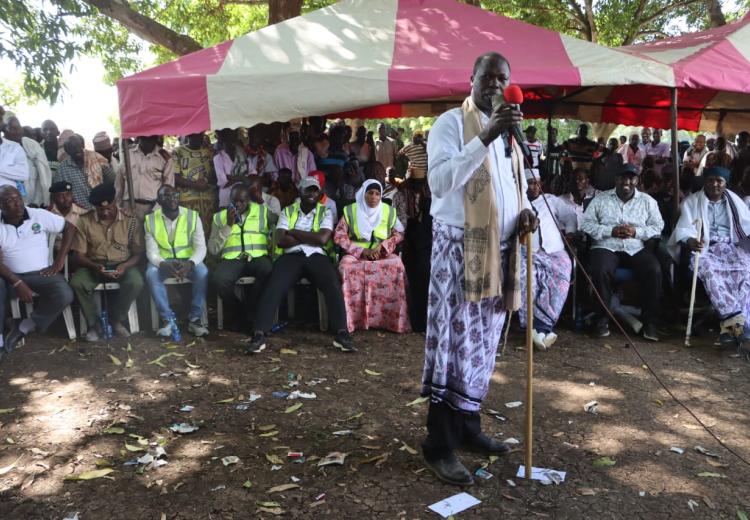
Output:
[[280, 10], [716, 16], [145, 27]]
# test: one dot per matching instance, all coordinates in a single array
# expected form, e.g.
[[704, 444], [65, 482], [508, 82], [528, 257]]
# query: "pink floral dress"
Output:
[[374, 290]]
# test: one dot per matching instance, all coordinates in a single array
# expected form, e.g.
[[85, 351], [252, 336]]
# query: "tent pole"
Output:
[[675, 152]]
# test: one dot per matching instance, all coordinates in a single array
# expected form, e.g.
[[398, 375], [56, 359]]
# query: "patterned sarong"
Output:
[[724, 270], [551, 283], [462, 337]]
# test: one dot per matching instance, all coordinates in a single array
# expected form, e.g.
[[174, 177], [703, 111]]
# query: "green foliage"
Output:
[[42, 36], [39, 40], [611, 22]]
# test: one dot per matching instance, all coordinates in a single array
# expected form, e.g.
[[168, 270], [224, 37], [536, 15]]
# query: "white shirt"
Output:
[[451, 164], [660, 150], [269, 167], [26, 248], [537, 150], [13, 164], [274, 206], [548, 232], [607, 210], [305, 223], [199, 241], [40, 175]]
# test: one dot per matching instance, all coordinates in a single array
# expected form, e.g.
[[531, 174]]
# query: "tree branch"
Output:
[[145, 27], [664, 10]]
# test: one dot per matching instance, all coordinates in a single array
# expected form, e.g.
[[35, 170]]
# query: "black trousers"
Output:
[[448, 429], [603, 264], [227, 273], [417, 265], [287, 270]]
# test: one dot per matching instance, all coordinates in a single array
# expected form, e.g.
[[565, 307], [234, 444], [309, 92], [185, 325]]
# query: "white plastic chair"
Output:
[[155, 312], [67, 313], [132, 312]]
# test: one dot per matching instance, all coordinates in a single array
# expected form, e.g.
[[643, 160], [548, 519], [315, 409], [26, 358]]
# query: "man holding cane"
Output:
[[480, 210]]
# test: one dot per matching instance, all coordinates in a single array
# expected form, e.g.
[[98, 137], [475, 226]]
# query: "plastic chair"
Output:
[[245, 280], [155, 313], [322, 309], [133, 324], [67, 313]]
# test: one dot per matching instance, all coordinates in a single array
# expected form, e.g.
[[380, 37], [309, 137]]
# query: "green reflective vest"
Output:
[[181, 245], [380, 233], [292, 214], [251, 238]]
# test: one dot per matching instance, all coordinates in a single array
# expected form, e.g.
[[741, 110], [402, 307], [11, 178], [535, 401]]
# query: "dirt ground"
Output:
[[58, 398]]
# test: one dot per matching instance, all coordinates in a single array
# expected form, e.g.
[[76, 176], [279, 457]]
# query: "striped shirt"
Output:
[[417, 154]]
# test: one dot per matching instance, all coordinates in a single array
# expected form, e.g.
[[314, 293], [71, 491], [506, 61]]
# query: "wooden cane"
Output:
[[692, 289], [529, 356]]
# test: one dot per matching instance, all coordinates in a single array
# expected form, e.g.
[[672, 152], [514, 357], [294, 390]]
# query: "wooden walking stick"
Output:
[[529, 356], [699, 222]]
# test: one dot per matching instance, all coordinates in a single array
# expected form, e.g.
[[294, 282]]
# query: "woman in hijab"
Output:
[[373, 278]]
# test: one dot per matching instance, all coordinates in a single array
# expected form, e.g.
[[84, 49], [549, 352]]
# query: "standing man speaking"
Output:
[[479, 210]]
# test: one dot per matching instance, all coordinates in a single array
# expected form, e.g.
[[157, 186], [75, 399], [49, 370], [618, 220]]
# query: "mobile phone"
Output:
[[109, 271]]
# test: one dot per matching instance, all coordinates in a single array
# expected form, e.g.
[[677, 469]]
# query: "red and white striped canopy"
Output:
[[711, 70], [380, 58]]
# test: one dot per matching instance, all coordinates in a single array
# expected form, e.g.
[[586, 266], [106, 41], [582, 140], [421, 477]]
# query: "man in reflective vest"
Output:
[[303, 231], [239, 235], [176, 248]]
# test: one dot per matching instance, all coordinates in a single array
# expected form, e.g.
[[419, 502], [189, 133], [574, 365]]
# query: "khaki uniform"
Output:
[[110, 247], [150, 172]]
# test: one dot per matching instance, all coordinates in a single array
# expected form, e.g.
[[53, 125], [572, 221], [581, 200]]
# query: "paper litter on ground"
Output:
[[454, 505], [513, 404], [542, 474]]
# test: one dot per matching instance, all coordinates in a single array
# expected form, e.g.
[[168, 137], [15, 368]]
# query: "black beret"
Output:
[[102, 195], [60, 186]]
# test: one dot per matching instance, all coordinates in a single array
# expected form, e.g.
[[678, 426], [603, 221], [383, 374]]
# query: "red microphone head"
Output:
[[513, 94]]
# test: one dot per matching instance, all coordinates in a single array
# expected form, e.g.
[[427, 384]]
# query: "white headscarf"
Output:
[[368, 218]]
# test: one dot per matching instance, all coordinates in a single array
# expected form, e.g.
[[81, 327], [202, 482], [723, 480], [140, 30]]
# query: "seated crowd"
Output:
[[266, 207], [350, 212], [615, 205]]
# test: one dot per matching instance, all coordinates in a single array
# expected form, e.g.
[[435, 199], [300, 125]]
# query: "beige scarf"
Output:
[[483, 270]]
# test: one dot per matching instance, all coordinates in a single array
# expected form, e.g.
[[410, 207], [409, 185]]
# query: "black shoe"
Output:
[[13, 338], [344, 342], [486, 446], [257, 345], [602, 330], [649, 332], [3, 354], [450, 470]]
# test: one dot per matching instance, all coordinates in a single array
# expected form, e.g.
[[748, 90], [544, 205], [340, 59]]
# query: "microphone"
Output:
[[514, 95]]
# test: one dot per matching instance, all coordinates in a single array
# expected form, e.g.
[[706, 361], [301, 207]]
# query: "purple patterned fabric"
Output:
[[724, 270], [551, 283], [462, 337]]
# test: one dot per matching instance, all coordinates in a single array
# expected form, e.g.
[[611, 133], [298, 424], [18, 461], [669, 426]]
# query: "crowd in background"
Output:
[[358, 198]]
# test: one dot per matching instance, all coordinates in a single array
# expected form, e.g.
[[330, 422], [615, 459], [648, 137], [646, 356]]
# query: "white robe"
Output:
[[695, 207]]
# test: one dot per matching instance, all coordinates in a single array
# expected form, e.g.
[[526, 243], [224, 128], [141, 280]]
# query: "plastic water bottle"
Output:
[[176, 334], [279, 326], [21, 187], [106, 327]]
